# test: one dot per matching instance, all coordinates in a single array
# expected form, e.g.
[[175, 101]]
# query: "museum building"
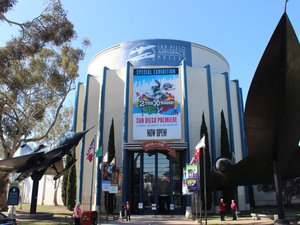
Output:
[[155, 92]]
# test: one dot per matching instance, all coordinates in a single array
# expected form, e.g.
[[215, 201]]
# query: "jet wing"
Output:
[[20, 163], [246, 172], [250, 172], [59, 166], [272, 121]]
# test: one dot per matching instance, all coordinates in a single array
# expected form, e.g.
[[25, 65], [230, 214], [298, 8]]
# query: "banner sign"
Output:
[[13, 196], [121, 177], [156, 52], [149, 146], [110, 180], [105, 185], [156, 104], [185, 190], [192, 178], [113, 188]]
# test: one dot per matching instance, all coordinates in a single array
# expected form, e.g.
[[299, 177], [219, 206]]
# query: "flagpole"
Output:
[[204, 184], [92, 182], [200, 193], [197, 158]]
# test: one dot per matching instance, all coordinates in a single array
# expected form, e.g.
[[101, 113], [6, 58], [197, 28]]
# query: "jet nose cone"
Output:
[[79, 135]]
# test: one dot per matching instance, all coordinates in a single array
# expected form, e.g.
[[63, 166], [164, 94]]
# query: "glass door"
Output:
[[149, 177], [155, 183], [163, 174]]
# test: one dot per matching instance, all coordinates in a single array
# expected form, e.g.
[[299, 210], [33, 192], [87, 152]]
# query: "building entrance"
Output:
[[156, 183]]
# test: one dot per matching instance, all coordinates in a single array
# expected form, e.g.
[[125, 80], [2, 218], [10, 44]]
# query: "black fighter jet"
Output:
[[45, 159], [272, 117]]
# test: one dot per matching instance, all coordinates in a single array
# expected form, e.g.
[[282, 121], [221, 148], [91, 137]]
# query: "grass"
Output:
[[45, 208], [36, 223], [59, 213]]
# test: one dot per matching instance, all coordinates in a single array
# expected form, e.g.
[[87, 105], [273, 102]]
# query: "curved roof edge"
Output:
[[118, 46], [212, 51]]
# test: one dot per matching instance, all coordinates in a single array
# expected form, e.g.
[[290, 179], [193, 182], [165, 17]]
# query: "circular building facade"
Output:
[[150, 98]]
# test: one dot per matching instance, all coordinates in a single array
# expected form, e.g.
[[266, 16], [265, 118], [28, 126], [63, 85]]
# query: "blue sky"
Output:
[[237, 29]]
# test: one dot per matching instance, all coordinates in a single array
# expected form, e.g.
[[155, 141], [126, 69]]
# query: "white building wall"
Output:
[[92, 119], [114, 109], [202, 56], [46, 191], [79, 125], [236, 122], [109, 58], [220, 103], [197, 103]]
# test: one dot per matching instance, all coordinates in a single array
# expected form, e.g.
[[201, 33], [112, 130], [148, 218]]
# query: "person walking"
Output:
[[123, 211], [127, 211], [233, 209], [77, 214], [222, 209]]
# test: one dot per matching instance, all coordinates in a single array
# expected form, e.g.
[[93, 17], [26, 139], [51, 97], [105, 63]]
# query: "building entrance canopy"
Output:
[[149, 146]]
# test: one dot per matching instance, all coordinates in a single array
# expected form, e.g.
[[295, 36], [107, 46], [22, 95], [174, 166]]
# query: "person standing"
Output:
[[233, 209], [222, 209], [127, 211], [77, 214]]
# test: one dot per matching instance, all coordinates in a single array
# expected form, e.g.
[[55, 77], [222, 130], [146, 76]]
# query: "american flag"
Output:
[[90, 151]]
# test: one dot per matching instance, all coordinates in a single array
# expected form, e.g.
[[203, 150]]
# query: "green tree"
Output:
[[64, 185], [229, 193], [38, 69], [204, 132], [71, 189], [225, 148], [111, 149], [109, 198]]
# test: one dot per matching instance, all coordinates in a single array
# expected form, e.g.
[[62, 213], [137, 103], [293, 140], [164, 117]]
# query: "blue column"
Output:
[[212, 122], [125, 191], [186, 119], [211, 113]]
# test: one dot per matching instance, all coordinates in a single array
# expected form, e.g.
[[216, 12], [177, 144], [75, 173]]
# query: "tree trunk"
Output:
[[56, 185], [3, 192]]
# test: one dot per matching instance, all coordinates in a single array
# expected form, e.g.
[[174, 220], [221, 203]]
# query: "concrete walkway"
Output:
[[181, 220]]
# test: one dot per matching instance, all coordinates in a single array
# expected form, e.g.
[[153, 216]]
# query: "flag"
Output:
[[99, 152], [89, 153], [197, 150], [104, 159]]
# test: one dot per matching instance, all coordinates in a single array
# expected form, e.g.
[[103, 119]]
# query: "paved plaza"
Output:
[[181, 220]]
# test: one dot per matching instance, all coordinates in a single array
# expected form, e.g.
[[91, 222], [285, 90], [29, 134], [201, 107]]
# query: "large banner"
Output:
[[156, 104], [110, 178], [156, 52], [192, 177]]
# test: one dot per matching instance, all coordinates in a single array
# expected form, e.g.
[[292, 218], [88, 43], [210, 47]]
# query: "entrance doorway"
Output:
[[156, 183]]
